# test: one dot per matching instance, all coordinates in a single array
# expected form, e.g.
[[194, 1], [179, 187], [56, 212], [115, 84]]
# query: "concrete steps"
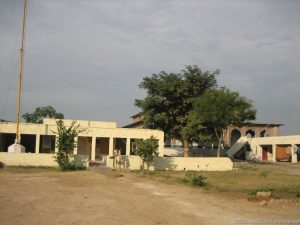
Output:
[[97, 165], [237, 146]]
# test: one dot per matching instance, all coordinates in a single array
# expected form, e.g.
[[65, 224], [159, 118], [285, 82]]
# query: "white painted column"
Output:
[[37, 143], [294, 153], [161, 146], [128, 146], [259, 153], [111, 146], [274, 153], [93, 156], [76, 148], [56, 149]]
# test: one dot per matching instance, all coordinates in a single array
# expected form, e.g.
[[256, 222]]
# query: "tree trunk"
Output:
[[220, 138], [186, 145], [142, 167], [219, 147]]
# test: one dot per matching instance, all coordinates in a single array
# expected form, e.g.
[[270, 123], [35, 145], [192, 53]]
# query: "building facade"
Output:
[[274, 149], [267, 149], [97, 141]]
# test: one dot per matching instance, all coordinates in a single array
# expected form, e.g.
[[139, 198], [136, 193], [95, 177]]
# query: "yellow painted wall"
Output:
[[128, 162], [176, 163], [83, 123], [279, 140], [33, 159]]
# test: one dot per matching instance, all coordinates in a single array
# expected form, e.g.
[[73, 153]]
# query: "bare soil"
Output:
[[107, 197]]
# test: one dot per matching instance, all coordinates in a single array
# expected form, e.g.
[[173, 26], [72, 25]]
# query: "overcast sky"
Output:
[[86, 58]]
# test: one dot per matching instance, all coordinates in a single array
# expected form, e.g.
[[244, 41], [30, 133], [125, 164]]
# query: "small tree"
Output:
[[147, 149], [66, 143], [40, 113], [219, 108]]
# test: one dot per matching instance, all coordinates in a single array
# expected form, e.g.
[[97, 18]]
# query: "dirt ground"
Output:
[[105, 197]]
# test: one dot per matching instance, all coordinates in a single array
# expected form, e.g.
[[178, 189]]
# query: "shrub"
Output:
[[264, 189], [65, 144], [147, 150], [66, 164], [195, 179], [264, 173]]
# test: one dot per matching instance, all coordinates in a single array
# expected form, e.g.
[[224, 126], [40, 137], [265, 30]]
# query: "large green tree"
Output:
[[40, 113], [219, 108], [169, 101]]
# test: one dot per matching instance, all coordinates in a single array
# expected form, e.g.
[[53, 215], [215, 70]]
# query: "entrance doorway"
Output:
[[102, 149], [266, 150], [235, 136], [84, 146], [283, 153]]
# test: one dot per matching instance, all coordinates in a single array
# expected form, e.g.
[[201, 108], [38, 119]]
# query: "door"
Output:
[[283, 153], [264, 154]]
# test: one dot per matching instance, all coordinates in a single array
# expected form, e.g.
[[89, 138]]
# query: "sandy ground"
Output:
[[93, 197]]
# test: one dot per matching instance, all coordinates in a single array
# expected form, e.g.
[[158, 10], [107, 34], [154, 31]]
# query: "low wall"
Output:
[[128, 162], [175, 163], [33, 159]]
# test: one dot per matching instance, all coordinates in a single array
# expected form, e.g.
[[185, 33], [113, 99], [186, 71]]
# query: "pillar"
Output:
[[294, 153], [259, 152], [93, 150], [56, 149], [37, 143], [128, 146], [76, 148], [161, 145], [273, 153], [276, 131], [111, 146]]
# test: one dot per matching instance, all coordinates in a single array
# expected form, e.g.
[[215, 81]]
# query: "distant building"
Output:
[[2, 120], [137, 121], [234, 133], [267, 149]]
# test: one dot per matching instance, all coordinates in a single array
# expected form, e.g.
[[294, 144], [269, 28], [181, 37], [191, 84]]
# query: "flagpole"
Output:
[[18, 135]]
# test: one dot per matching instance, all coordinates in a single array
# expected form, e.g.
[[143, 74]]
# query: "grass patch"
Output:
[[282, 179], [264, 189]]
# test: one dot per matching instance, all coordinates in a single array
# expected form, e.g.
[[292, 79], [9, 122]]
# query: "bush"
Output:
[[65, 144], [195, 179], [2, 165], [264, 189], [147, 150], [66, 164]]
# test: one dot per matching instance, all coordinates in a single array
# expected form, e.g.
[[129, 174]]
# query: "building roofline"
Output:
[[133, 124], [136, 115], [262, 124]]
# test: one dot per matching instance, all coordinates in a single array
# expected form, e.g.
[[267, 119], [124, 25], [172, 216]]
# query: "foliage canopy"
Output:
[[219, 108], [40, 113], [169, 102]]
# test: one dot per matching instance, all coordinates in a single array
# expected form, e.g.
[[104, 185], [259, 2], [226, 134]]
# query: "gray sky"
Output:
[[86, 58]]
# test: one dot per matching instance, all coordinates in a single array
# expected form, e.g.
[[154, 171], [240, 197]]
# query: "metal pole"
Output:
[[18, 136]]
